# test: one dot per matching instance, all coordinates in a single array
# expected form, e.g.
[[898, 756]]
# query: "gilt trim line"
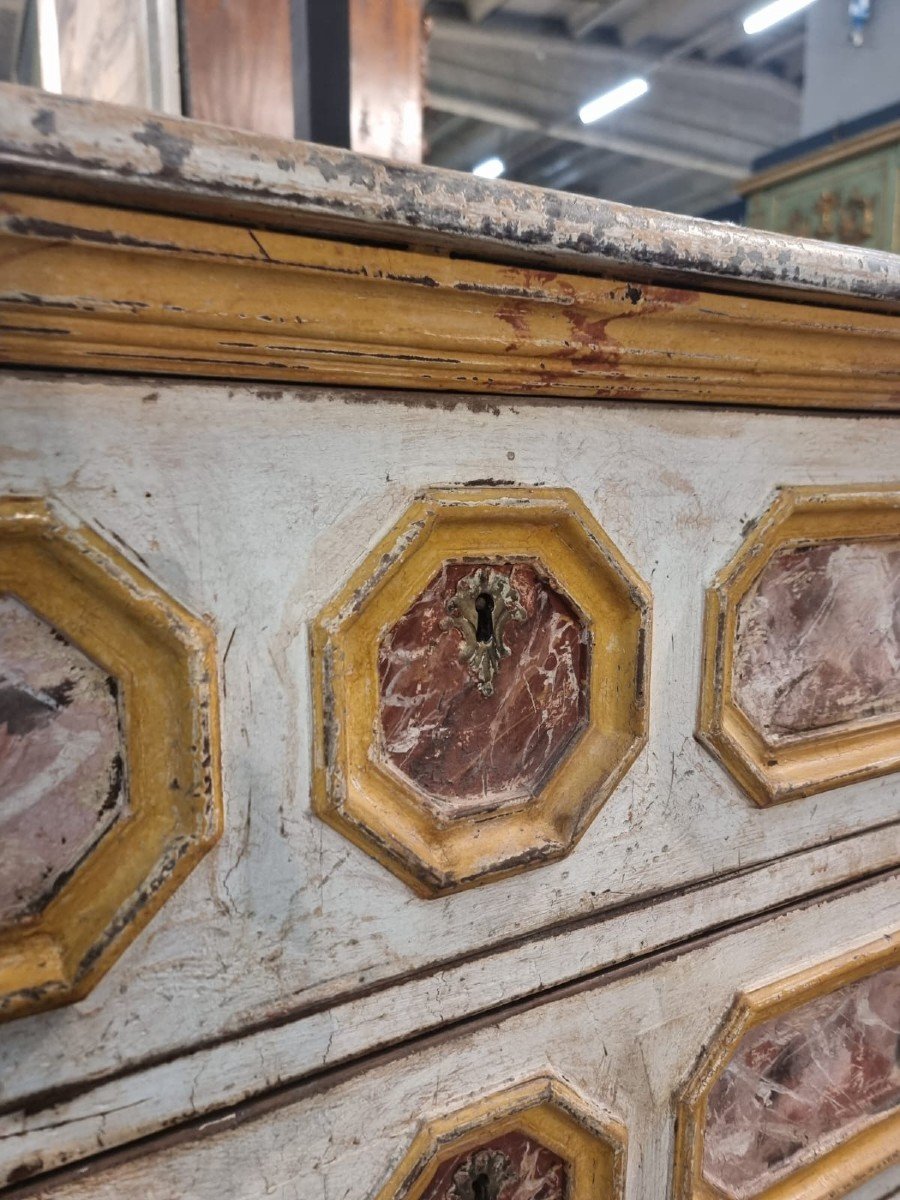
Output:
[[94, 288]]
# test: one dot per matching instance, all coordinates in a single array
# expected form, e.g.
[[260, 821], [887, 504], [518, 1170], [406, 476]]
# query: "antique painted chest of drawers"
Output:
[[449, 684]]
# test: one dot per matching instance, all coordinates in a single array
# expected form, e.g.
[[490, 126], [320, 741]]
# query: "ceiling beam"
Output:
[[655, 184], [444, 130], [681, 19], [729, 131], [477, 10], [509, 118], [782, 47], [510, 36], [561, 164], [588, 15]]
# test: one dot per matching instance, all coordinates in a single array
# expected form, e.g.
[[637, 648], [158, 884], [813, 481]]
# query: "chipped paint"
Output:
[[417, 320], [798, 1093], [537, 1140], [118, 156]]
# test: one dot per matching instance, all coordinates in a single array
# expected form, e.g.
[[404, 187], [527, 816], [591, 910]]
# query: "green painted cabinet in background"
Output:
[[848, 192]]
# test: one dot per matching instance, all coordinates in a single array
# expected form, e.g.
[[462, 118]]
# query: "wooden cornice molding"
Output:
[[107, 154], [90, 287]]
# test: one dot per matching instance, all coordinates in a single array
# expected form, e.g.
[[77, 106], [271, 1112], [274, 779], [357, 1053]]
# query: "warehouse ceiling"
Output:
[[506, 78]]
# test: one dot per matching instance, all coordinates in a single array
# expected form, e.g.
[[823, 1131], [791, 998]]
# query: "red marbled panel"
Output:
[[62, 776], [511, 1167], [818, 638], [465, 749], [800, 1083]]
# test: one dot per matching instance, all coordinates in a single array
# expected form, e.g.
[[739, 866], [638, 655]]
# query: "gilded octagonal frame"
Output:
[[163, 660], [591, 1142], [379, 810], [818, 760], [836, 1171]]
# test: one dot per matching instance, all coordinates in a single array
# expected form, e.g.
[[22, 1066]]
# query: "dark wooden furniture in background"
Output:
[[386, 78], [238, 64], [346, 73]]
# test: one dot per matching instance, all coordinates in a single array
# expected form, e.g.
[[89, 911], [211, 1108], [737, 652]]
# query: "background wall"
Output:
[[843, 81]]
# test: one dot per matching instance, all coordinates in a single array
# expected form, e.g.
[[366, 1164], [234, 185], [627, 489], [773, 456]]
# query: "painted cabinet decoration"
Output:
[[799, 1094], [481, 686], [109, 789], [536, 1141], [845, 192], [801, 679]]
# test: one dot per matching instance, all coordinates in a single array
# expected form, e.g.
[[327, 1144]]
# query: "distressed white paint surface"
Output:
[[628, 1045], [885, 1186], [253, 505], [111, 1113]]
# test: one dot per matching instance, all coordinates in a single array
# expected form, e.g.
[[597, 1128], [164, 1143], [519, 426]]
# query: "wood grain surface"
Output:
[[387, 93], [238, 64]]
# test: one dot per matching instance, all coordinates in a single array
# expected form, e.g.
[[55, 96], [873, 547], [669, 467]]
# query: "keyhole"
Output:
[[481, 1185], [484, 632]]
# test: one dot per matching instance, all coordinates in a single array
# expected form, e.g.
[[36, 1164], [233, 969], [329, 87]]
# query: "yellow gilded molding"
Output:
[[163, 661], [841, 1167], [548, 1112], [97, 288], [380, 810], [816, 760]]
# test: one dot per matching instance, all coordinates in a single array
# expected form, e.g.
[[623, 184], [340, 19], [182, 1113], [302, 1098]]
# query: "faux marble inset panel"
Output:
[[513, 1166], [460, 746], [62, 776], [818, 638], [800, 1083]]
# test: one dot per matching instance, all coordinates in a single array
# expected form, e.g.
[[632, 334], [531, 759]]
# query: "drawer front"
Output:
[[758, 1065], [644, 554]]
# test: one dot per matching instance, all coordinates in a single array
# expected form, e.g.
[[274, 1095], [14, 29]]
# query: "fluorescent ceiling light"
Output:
[[490, 168], [603, 105], [771, 14], [48, 46]]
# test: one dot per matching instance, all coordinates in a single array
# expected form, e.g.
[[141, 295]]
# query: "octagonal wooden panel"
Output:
[[798, 1096], [801, 677], [457, 747], [108, 753], [537, 1139]]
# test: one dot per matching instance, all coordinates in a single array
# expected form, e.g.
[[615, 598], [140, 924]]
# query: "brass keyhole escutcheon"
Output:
[[479, 609]]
